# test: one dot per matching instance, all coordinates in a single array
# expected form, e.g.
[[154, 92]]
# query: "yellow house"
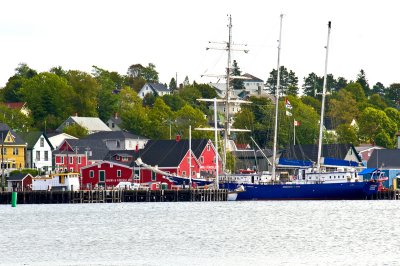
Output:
[[12, 150]]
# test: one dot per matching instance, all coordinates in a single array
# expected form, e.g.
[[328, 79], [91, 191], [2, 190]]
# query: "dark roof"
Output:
[[18, 139], [169, 153], [17, 177], [158, 87], [4, 127], [251, 78], [105, 135], [98, 149], [309, 152], [33, 137], [110, 156], [248, 154], [384, 158]]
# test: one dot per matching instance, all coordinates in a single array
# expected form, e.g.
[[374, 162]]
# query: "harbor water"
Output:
[[202, 233]]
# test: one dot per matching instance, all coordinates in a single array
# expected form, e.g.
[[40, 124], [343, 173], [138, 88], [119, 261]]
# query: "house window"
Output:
[[112, 125], [8, 139], [41, 142], [15, 151], [91, 173], [62, 159], [71, 160], [194, 173], [118, 173], [4, 151], [183, 173], [118, 144], [201, 159], [46, 155], [153, 176], [37, 155], [208, 147], [67, 123], [117, 158], [79, 159]]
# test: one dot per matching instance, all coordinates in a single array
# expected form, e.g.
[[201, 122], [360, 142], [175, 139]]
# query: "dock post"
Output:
[[14, 199]]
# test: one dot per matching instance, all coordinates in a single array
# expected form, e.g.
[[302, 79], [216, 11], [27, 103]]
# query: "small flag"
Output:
[[288, 113], [287, 104], [296, 123]]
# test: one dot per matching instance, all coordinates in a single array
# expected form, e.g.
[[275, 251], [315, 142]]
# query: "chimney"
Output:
[[76, 114], [116, 115], [178, 138]]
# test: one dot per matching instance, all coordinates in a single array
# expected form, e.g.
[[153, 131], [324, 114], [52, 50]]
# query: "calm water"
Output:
[[202, 233]]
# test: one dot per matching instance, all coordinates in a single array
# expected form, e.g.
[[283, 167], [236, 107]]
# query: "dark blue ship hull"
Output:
[[322, 191]]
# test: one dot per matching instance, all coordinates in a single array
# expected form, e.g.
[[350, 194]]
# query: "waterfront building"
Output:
[[38, 152]]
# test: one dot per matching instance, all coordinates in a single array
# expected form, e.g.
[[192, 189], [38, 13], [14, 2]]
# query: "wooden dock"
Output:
[[115, 196], [390, 194]]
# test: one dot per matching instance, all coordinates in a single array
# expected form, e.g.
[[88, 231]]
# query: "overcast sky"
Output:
[[173, 35]]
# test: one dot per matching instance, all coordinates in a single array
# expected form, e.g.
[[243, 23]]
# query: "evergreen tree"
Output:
[[288, 82], [362, 80], [237, 84]]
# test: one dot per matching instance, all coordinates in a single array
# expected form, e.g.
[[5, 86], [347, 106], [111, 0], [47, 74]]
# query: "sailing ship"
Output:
[[313, 183]]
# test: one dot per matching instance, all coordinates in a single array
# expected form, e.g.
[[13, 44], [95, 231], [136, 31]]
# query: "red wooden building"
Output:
[[105, 174]]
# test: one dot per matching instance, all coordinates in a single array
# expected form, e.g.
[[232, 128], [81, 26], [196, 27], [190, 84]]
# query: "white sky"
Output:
[[173, 34]]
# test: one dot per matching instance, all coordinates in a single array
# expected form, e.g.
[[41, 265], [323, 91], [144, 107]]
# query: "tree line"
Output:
[[54, 95]]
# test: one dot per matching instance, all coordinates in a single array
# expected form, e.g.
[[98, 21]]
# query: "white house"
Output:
[[38, 152], [154, 88]]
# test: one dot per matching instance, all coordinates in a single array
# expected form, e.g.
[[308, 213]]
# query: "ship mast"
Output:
[[276, 105], [227, 101], [321, 123]]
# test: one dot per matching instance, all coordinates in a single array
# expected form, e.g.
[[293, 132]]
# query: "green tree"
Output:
[[172, 85], [150, 74], [343, 108], [133, 114], [394, 115], [362, 80], [76, 130], [377, 102], [194, 117], [378, 88], [10, 93], [237, 84], [160, 118], [346, 134], [175, 102], [373, 122], [288, 79], [15, 119], [393, 94], [312, 85], [86, 90], [312, 102], [48, 94], [357, 91]]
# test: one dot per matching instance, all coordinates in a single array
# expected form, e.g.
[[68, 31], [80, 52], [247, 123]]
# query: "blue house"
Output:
[[388, 161]]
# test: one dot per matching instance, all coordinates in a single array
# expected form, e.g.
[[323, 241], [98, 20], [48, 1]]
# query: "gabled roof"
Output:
[[33, 137], [309, 152], [97, 149], [385, 159], [4, 127], [18, 177], [90, 123], [121, 135], [169, 153], [17, 141], [251, 78], [129, 153], [158, 87]]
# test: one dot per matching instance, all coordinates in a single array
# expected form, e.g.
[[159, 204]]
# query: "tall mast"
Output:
[[190, 155], [216, 145], [228, 91], [321, 123], [277, 104]]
